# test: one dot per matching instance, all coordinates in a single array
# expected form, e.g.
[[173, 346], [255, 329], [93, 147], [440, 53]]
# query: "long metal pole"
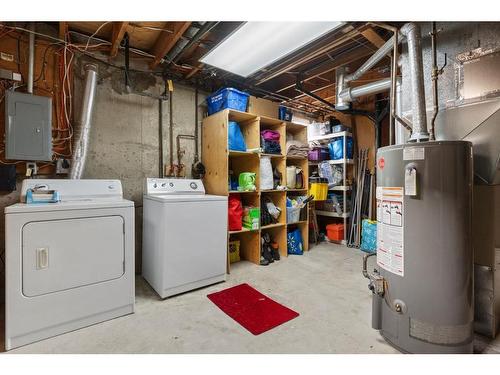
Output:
[[161, 169], [31, 58], [434, 77]]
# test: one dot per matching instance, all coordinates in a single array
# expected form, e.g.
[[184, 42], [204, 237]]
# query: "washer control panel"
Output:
[[174, 186]]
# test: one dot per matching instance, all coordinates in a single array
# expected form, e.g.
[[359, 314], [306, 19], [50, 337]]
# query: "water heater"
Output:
[[423, 284]]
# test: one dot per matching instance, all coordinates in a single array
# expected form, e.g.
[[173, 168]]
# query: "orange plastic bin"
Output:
[[335, 232]]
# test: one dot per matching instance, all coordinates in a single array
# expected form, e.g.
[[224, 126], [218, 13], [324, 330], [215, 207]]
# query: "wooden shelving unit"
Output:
[[218, 161]]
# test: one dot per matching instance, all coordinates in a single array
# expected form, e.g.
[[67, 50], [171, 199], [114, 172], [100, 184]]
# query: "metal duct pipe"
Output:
[[31, 58], [373, 60], [84, 122], [419, 117], [341, 85], [351, 93], [400, 133], [191, 36]]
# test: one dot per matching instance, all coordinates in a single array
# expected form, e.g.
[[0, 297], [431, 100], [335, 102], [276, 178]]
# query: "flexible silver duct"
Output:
[[419, 117], [84, 122], [351, 93], [31, 59]]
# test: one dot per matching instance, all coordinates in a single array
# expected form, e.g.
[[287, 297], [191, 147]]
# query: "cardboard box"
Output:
[[263, 107]]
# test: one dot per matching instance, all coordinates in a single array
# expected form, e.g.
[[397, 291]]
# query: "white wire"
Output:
[[95, 33]]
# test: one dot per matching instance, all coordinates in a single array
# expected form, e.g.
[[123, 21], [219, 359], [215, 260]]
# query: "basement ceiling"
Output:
[[315, 64]]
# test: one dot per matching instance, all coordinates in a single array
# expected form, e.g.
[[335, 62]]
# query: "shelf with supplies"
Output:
[[219, 161], [340, 158]]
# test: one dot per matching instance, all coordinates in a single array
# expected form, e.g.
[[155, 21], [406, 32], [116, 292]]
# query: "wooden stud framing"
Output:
[[119, 29], [372, 36], [166, 41]]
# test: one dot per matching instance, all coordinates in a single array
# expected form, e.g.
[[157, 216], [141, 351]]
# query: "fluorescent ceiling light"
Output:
[[256, 45]]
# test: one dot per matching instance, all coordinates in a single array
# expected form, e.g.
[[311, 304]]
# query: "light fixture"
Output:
[[256, 45]]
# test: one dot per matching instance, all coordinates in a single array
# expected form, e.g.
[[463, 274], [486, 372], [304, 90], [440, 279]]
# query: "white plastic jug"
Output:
[[291, 177]]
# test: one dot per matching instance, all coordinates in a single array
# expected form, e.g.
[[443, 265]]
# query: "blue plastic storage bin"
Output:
[[336, 148], [227, 98], [285, 114]]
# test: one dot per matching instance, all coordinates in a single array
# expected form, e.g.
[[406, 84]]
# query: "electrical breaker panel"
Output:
[[28, 127]]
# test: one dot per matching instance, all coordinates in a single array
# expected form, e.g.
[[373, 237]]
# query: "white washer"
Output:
[[184, 236], [68, 264]]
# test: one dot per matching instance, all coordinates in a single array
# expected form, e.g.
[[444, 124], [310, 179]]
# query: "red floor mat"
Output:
[[253, 310]]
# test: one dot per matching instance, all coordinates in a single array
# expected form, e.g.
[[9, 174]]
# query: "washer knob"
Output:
[[171, 184], [164, 184], [193, 185], [155, 185]]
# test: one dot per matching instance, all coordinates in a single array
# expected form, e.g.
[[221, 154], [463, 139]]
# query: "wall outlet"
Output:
[[31, 169], [62, 166]]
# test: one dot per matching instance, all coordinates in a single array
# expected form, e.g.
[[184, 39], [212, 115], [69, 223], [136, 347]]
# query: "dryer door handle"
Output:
[[42, 258]]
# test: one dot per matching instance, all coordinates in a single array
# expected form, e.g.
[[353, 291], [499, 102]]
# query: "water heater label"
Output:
[[390, 224], [413, 153]]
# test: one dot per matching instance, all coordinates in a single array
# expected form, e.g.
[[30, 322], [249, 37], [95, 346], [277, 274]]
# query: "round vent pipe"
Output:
[[84, 122]]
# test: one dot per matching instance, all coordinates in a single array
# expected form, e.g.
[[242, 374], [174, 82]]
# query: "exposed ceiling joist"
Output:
[[119, 29], [330, 66], [166, 41], [305, 57], [372, 36], [195, 70], [63, 29]]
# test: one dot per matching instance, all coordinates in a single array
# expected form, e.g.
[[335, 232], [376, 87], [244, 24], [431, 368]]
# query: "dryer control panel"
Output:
[[174, 186]]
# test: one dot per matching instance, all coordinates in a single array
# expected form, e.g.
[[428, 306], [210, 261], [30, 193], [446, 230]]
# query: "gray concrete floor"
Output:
[[325, 286]]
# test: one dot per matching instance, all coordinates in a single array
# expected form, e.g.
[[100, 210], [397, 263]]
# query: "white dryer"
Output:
[[68, 264], [184, 236]]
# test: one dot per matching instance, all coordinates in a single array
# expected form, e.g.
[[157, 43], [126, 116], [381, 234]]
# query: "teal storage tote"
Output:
[[369, 236]]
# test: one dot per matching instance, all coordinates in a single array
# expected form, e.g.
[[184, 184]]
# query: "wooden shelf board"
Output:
[[272, 191], [264, 120], [239, 116], [273, 155], [238, 154], [244, 230], [296, 190], [272, 226], [298, 222], [292, 157], [295, 127]]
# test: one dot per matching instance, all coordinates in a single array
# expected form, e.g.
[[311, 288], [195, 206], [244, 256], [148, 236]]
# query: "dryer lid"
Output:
[[76, 190]]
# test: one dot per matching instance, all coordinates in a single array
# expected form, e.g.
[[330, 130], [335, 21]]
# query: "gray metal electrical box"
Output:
[[28, 127]]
